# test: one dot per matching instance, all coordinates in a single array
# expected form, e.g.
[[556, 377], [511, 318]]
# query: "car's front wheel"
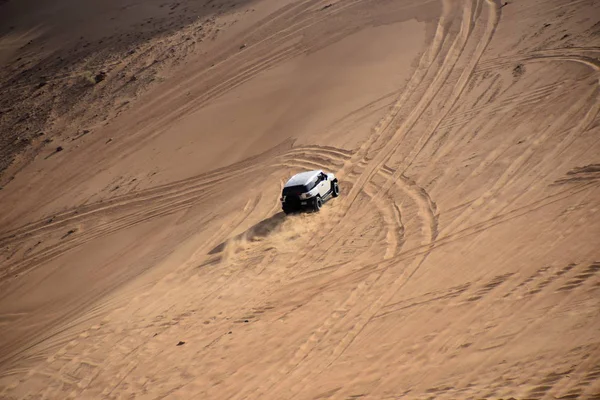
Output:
[[317, 203], [335, 189]]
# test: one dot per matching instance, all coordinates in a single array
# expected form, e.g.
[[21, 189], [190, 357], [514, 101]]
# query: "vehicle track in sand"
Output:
[[70, 229], [355, 327], [493, 292], [384, 131], [121, 212], [420, 74], [184, 192], [367, 291], [571, 121]]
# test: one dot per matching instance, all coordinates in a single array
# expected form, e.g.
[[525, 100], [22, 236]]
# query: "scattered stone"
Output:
[[326, 7], [229, 333], [181, 343], [100, 77], [243, 46], [565, 36], [518, 70], [59, 149], [108, 141], [71, 231]]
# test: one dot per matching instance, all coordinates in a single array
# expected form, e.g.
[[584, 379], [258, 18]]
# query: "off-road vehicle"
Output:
[[308, 190]]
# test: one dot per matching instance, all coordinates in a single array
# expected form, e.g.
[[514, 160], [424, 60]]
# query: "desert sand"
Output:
[[144, 146]]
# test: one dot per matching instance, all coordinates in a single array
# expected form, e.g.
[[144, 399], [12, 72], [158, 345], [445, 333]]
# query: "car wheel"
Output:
[[317, 203], [287, 209], [335, 189]]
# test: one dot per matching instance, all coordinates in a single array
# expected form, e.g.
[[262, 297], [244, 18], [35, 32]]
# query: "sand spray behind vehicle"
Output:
[[284, 234]]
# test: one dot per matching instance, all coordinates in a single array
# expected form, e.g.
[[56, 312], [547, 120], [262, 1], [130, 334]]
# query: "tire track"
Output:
[[149, 204], [516, 165], [510, 61], [372, 277], [378, 301], [510, 102], [296, 162], [425, 63], [378, 269], [581, 127], [392, 142], [148, 195], [395, 138], [497, 335], [390, 215], [526, 98], [427, 59], [80, 214], [31, 261], [60, 375], [406, 232], [493, 20]]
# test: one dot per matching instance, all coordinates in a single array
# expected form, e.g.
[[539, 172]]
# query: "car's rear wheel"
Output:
[[317, 203], [335, 189]]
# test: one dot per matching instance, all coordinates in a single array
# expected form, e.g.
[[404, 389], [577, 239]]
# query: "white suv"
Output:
[[308, 190]]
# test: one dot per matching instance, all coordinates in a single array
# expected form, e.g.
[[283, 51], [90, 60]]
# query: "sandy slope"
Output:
[[461, 261]]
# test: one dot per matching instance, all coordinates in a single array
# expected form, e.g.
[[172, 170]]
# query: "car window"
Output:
[[293, 190], [312, 183]]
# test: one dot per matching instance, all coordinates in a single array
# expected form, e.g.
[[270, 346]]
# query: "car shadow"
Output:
[[257, 231]]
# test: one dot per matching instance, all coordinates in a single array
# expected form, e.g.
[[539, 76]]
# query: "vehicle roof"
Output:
[[302, 178]]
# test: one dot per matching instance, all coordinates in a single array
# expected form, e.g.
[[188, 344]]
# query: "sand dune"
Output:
[[149, 258]]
